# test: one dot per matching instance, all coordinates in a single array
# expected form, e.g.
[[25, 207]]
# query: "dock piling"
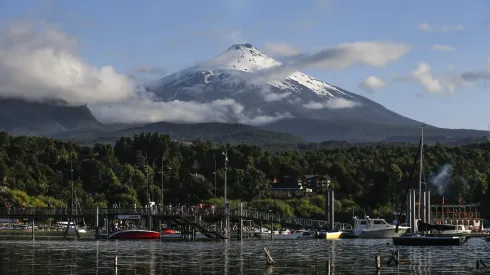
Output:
[[328, 267], [268, 256], [378, 263]]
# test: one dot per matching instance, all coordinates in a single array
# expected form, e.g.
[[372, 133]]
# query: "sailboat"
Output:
[[419, 238]]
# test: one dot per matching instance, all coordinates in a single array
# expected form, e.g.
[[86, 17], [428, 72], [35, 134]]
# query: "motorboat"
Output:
[[412, 239], [376, 228], [135, 234]]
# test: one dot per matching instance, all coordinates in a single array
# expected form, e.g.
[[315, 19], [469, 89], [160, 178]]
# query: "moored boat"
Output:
[[134, 234], [421, 240], [333, 235], [376, 228]]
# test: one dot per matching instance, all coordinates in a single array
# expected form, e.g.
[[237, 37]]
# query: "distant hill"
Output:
[[46, 118], [355, 131], [216, 132]]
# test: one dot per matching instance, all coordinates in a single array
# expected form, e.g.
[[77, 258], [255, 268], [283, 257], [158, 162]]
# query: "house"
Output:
[[298, 186]]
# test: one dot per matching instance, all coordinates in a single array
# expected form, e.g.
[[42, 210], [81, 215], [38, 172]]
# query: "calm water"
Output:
[[348, 256]]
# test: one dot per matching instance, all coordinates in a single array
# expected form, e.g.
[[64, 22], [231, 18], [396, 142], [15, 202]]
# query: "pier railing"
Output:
[[170, 212]]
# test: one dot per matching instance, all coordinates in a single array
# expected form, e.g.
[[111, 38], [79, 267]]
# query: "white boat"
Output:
[[71, 228], [460, 230], [376, 228]]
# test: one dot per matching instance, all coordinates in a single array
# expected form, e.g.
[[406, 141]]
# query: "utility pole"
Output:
[[214, 156], [161, 177], [147, 193], [421, 169], [71, 176], [225, 153]]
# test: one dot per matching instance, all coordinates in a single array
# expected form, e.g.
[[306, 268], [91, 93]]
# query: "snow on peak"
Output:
[[242, 57], [246, 58]]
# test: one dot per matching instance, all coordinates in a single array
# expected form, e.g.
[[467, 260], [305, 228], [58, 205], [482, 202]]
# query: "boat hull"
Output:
[[382, 233], [333, 235], [418, 240], [135, 235]]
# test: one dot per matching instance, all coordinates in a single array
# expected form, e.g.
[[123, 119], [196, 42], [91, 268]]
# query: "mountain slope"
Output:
[[21, 117], [302, 105]]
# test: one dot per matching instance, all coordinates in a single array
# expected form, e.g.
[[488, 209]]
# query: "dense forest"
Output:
[[36, 171]]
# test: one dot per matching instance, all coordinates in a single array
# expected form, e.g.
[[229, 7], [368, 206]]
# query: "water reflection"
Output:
[[232, 257]]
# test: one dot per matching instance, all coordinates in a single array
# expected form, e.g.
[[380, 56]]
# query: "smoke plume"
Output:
[[442, 179]]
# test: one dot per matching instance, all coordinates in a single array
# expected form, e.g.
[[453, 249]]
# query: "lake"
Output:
[[348, 256]]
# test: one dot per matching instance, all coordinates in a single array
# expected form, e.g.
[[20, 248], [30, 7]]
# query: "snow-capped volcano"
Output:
[[262, 86]]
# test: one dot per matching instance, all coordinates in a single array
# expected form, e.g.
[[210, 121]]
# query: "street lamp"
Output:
[[225, 153], [71, 176], [161, 174]]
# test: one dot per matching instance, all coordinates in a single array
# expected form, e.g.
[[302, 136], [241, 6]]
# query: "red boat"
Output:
[[134, 234]]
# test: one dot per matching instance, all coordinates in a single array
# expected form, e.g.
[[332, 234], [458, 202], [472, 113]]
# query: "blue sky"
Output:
[[172, 35]]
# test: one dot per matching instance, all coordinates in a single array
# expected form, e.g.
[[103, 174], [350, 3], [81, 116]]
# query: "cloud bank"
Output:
[[38, 62], [377, 54], [43, 64]]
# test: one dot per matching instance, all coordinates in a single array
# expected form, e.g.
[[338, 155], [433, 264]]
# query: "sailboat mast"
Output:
[[421, 169]]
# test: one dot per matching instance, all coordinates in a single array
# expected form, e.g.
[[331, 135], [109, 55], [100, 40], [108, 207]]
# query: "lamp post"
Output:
[[225, 153], [153, 171], [147, 193], [421, 169], [71, 180]]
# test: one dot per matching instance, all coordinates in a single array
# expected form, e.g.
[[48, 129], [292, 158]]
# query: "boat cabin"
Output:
[[367, 222]]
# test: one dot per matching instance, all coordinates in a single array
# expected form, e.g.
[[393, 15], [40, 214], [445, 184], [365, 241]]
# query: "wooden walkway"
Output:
[[191, 214]]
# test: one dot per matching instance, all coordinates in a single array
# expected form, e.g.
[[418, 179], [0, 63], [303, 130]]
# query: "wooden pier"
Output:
[[205, 220]]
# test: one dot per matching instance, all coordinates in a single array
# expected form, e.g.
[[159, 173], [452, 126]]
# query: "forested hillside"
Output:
[[36, 170]]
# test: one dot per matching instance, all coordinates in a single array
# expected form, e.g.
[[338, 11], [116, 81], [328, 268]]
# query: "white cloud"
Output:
[[37, 64], [334, 103], [147, 110], [377, 54], [371, 83], [276, 97], [447, 82], [280, 49], [443, 48], [445, 28], [424, 76]]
